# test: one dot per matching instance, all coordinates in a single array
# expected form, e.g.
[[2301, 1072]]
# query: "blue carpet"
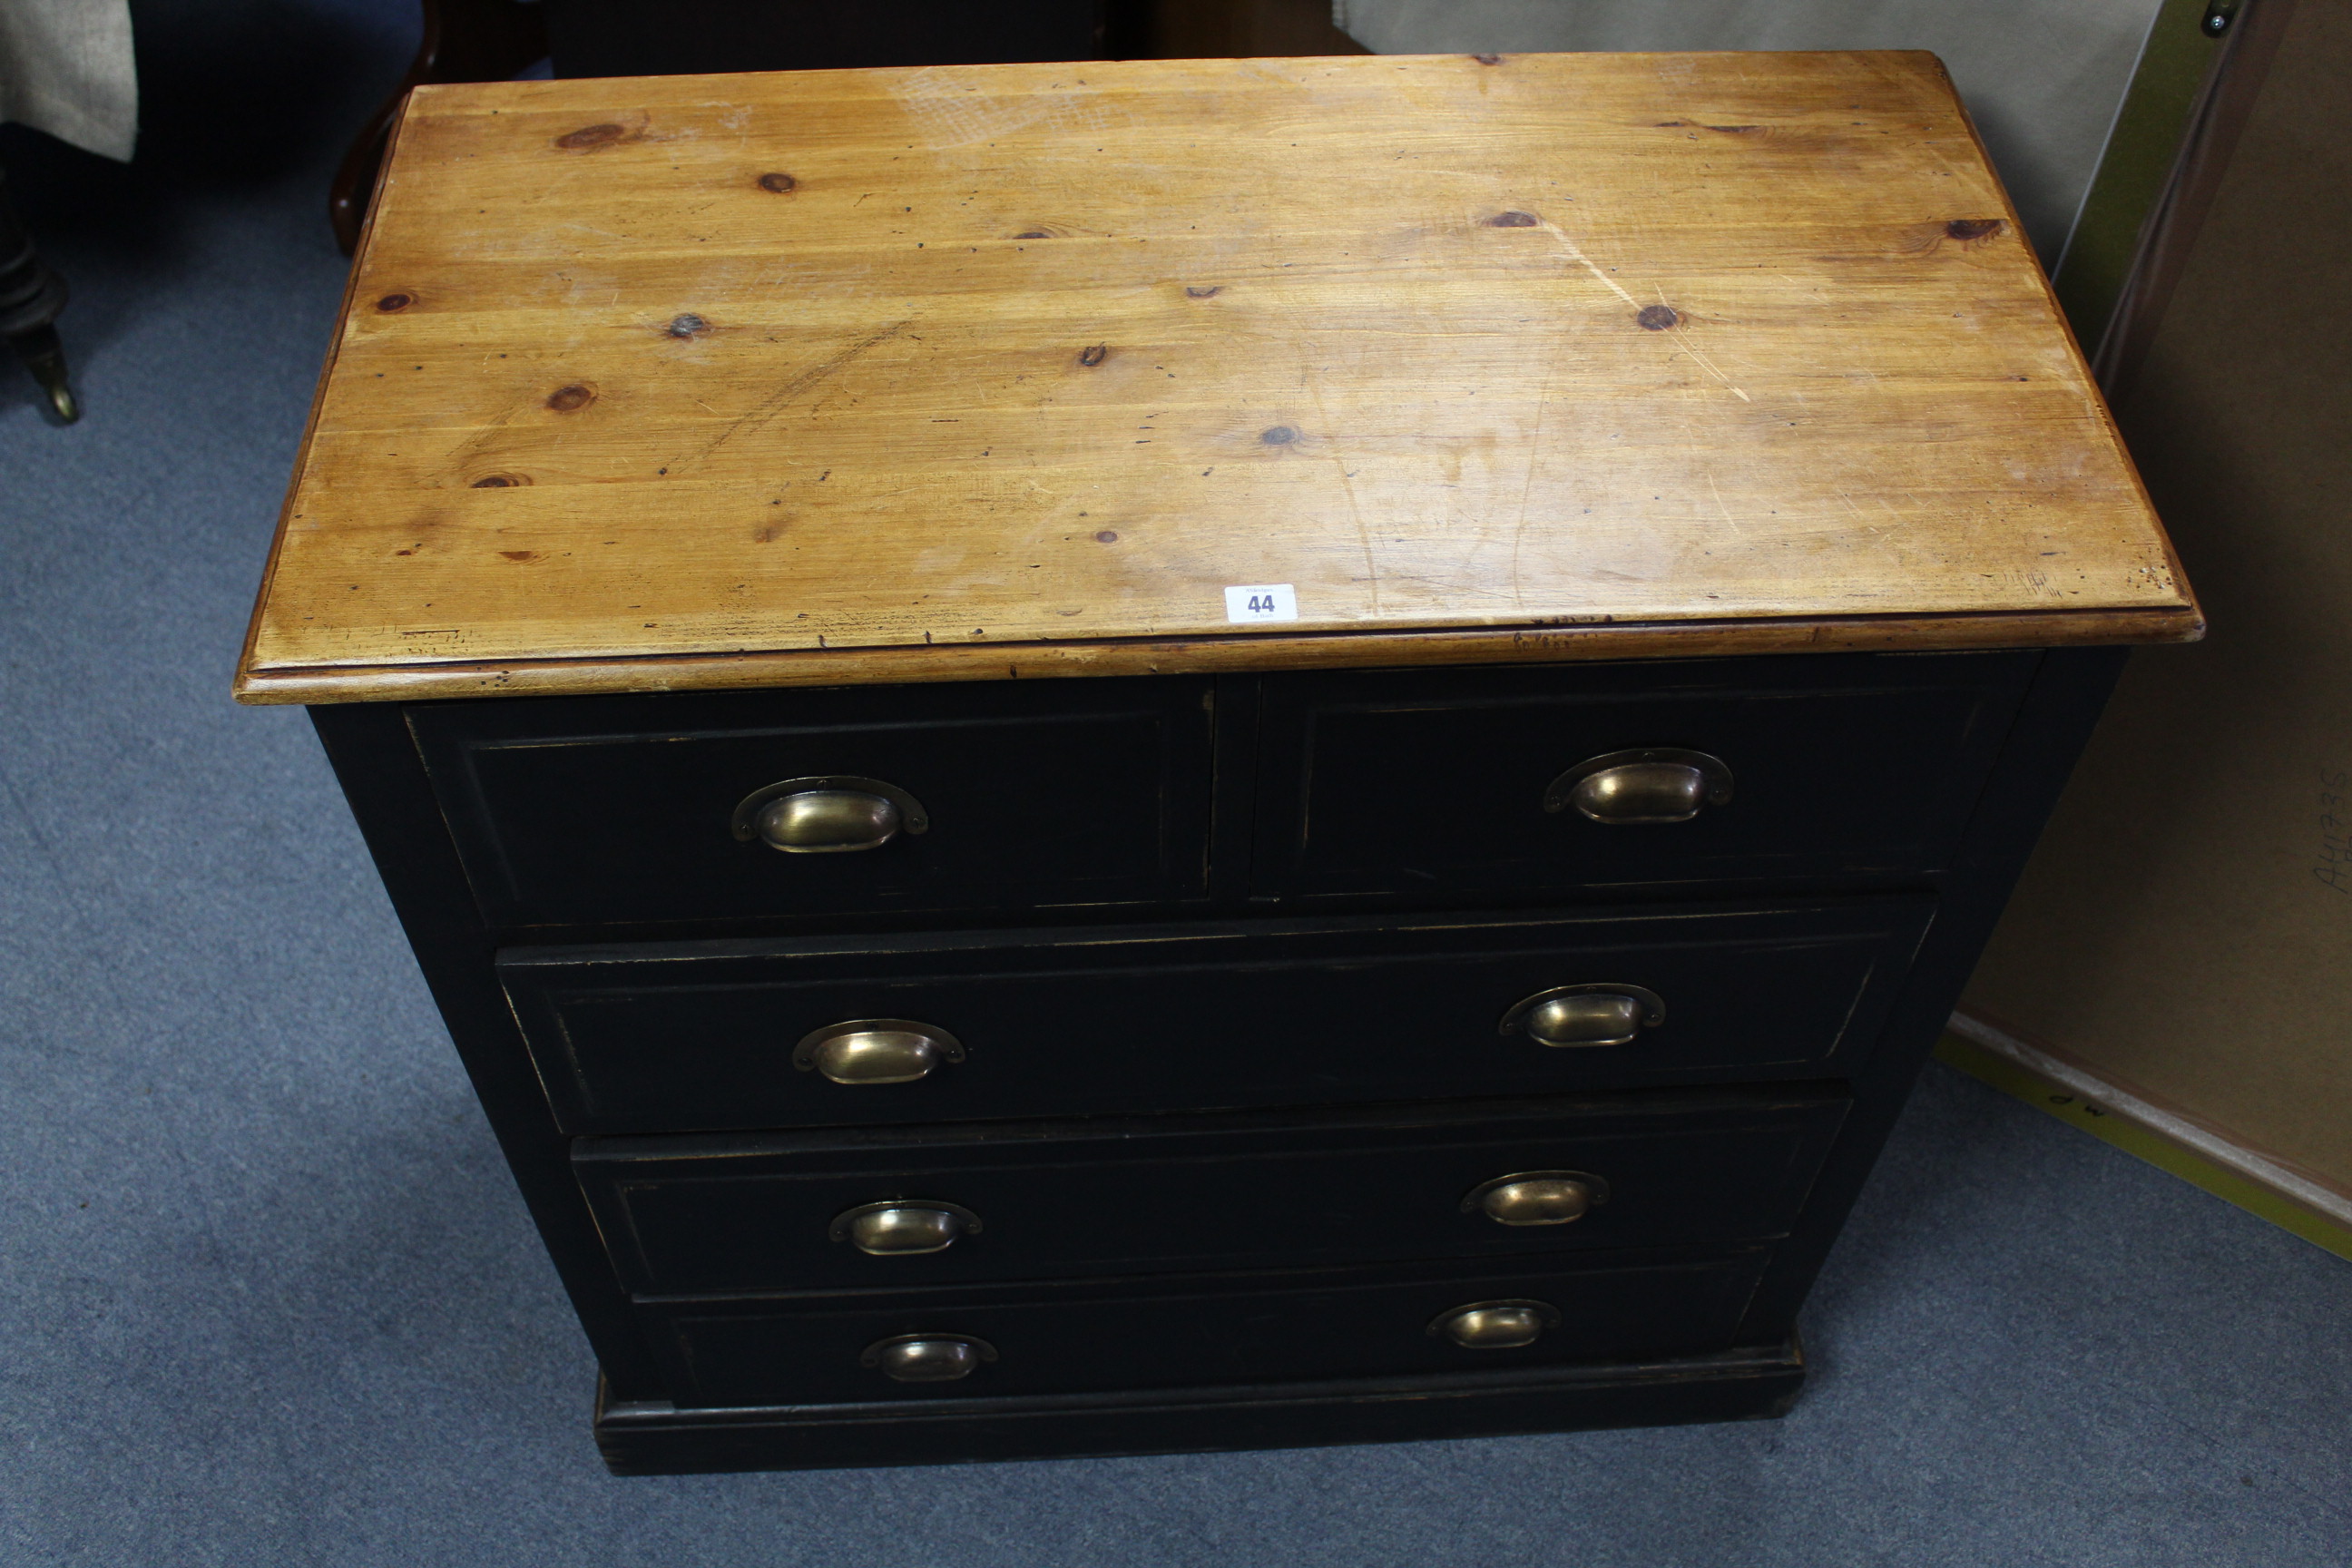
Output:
[[270, 1298]]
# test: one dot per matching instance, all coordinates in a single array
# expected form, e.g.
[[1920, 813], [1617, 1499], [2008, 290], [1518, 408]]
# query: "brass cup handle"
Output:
[[1648, 784], [831, 813], [1537, 1197], [1599, 1014], [902, 1227], [875, 1050], [1496, 1325], [927, 1358]]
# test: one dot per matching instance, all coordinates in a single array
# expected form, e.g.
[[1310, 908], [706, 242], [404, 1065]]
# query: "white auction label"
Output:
[[1266, 602]]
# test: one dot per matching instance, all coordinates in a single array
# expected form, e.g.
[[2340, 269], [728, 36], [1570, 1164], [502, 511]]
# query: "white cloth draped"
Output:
[[66, 68]]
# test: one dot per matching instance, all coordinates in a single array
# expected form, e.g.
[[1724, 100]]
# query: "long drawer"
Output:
[[1251, 1329], [875, 1208], [986, 795], [705, 1035], [1406, 783]]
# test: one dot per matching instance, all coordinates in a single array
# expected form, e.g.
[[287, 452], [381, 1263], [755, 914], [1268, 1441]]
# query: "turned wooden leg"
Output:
[[465, 40], [31, 295]]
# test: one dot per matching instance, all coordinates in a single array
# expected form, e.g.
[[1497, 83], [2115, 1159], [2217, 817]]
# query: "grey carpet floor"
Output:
[[265, 1293]]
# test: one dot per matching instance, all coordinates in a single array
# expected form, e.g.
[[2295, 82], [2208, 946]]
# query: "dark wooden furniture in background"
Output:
[[672, 38], [464, 40], [1216, 29], [31, 295], [1572, 602]]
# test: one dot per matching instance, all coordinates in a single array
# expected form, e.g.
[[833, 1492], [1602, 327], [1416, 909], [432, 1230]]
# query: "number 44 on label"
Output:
[[1262, 602]]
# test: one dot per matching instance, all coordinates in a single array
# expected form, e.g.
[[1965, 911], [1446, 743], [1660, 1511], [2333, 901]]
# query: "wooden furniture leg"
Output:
[[31, 295], [465, 40]]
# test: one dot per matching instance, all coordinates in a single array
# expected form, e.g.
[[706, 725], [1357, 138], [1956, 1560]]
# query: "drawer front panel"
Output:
[[700, 1037], [626, 810], [1194, 1332], [1413, 783], [1177, 1194]]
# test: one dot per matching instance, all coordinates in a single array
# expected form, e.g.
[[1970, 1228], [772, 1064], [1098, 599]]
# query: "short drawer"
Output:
[[999, 795], [1135, 1336], [997, 1201], [1419, 783], [685, 1036]]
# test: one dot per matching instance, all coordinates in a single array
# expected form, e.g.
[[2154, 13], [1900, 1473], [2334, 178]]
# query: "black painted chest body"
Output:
[[903, 1073]]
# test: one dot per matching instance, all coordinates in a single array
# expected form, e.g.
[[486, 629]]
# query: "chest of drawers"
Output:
[[759, 568]]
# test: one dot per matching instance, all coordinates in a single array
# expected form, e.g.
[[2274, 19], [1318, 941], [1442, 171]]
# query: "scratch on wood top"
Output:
[[784, 395]]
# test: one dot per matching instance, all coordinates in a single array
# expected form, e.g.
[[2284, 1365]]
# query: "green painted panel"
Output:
[[2139, 155], [2132, 1138]]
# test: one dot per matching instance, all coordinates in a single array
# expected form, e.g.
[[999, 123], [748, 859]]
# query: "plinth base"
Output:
[[645, 1438]]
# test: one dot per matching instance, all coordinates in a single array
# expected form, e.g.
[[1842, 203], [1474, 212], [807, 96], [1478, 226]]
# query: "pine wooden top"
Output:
[[963, 373]]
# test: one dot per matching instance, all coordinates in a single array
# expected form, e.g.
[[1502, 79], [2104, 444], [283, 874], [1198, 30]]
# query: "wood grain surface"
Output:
[[947, 372]]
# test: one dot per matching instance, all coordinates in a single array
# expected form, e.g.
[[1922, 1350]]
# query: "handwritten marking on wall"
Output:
[[2333, 864]]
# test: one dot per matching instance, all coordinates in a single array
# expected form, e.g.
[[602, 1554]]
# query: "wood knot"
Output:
[[589, 136], [500, 481], [1211, 292], [1107, 537], [392, 302], [778, 183], [688, 326], [1974, 227], [1657, 318], [565, 399], [1514, 220], [1488, 59], [1280, 436], [1095, 355], [1032, 234]]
